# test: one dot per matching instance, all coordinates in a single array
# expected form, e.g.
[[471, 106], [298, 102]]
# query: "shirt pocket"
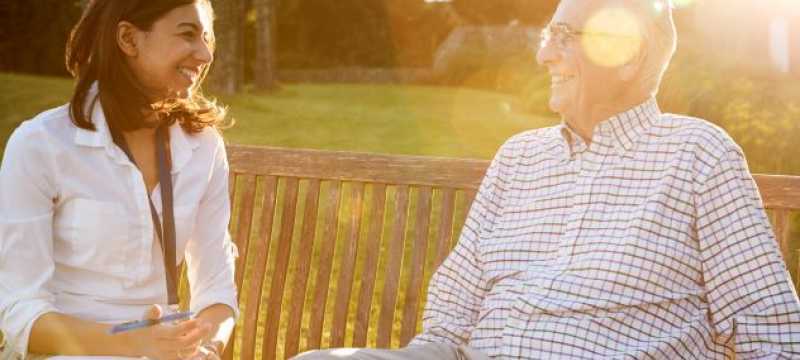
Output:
[[94, 235]]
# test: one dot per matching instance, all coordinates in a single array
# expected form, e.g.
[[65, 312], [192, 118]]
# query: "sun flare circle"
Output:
[[612, 37]]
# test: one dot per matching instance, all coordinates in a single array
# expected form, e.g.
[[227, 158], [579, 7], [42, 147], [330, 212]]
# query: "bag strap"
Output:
[[165, 233]]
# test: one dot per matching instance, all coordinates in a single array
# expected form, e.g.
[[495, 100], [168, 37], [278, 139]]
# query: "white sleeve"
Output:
[[27, 192], [210, 253]]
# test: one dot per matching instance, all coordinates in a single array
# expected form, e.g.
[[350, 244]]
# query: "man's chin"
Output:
[[556, 105]]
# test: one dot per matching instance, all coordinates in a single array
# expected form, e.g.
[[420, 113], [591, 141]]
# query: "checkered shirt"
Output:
[[651, 242]]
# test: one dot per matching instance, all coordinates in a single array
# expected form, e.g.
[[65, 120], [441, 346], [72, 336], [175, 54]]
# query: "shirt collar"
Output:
[[623, 129], [626, 127], [181, 144]]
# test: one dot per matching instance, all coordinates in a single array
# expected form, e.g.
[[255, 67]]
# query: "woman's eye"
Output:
[[188, 35]]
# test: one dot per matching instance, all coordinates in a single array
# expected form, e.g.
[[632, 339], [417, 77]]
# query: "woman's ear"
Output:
[[126, 38]]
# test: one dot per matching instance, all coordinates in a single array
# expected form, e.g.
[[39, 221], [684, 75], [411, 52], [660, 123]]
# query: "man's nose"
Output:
[[547, 53]]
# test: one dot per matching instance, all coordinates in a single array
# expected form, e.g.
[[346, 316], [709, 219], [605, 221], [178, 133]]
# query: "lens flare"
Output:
[[681, 3], [612, 37]]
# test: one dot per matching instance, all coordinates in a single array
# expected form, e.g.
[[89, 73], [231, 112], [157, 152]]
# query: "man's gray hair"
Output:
[[660, 40]]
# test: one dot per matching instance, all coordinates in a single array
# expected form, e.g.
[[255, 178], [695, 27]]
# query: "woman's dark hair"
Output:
[[93, 55]]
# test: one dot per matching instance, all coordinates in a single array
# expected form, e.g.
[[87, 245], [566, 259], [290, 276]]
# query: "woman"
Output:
[[100, 196]]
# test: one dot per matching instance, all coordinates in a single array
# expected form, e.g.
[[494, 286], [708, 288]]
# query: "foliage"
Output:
[[35, 33], [501, 12], [760, 110]]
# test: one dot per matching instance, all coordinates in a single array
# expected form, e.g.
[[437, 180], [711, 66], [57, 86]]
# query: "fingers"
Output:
[[186, 334], [152, 313], [204, 353]]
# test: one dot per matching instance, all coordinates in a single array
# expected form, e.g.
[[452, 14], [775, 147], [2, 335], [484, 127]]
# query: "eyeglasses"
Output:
[[561, 34], [558, 34]]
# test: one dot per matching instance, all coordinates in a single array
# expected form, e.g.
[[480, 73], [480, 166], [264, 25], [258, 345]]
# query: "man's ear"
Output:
[[127, 39], [633, 68]]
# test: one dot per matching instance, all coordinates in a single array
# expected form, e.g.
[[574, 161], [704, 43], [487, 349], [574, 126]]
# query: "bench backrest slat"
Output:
[[349, 251], [324, 265], [419, 251], [337, 248], [276, 291], [394, 253], [358, 167], [370, 266], [302, 268]]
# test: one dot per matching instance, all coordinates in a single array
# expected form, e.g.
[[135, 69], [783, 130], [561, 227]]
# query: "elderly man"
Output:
[[621, 233]]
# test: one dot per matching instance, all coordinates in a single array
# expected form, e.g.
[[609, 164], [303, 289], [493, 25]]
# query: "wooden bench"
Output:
[[336, 248]]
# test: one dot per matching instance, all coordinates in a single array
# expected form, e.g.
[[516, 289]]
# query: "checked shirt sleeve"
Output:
[[752, 303], [458, 286]]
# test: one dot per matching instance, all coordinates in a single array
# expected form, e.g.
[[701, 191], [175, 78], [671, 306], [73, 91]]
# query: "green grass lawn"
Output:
[[398, 119]]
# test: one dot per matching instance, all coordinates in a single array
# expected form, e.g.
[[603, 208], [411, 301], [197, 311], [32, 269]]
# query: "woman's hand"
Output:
[[206, 352], [167, 341]]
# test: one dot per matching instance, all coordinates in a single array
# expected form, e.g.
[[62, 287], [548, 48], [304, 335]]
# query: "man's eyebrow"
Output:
[[194, 26]]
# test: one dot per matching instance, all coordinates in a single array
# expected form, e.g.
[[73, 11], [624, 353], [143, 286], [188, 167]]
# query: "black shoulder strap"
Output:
[[165, 233]]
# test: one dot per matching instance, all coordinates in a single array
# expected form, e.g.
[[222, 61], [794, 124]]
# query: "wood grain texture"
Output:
[[392, 279], [329, 229], [781, 228], [259, 268], [242, 237], [302, 269], [369, 268], [445, 234], [344, 285], [418, 253], [361, 167], [779, 191], [276, 292]]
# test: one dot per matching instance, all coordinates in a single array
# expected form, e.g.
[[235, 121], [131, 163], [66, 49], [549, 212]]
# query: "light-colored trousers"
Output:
[[62, 357], [416, 352]]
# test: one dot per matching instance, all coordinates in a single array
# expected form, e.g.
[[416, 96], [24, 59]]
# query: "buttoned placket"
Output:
[[140, 245], [573, 155]]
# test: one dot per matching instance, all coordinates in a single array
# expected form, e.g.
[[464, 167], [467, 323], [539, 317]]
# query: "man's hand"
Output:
[[170, 341]]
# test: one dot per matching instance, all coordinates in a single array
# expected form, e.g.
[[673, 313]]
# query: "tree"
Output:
[[227, 73], [265, 73], [502, 12]]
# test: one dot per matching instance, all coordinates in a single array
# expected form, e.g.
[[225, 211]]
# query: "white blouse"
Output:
[[76, 233]]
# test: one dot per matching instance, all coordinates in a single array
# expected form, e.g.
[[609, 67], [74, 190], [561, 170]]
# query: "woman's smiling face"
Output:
[[170, 58]]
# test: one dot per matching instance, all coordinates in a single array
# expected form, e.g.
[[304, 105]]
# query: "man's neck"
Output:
[[584, 123]]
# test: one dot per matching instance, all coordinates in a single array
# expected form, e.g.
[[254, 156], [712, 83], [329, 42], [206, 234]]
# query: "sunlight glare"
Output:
[[612, 37], [780, 44], [681, 3]]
